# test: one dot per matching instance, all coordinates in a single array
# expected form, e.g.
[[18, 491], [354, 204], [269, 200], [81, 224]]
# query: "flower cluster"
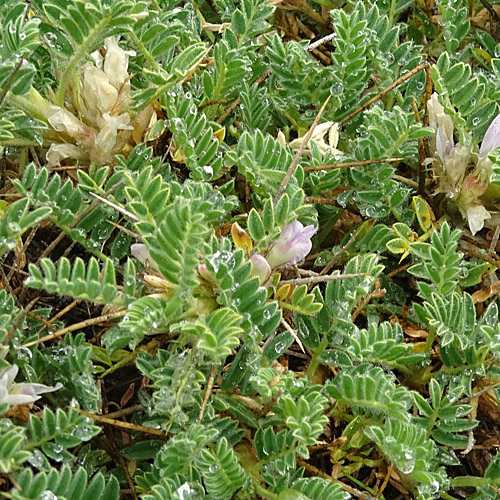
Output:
[[450, 163], [293, 245], [99, 124], [23, 393]]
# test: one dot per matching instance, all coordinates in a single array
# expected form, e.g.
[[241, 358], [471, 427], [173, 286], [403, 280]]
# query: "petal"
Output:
[[281, 138], [292, 246], [4, 395], [321, 130], [309, 231], [106, 138], [34, 388], [491, 138], [62, 120], [476, 217], [116, 63], [141, 253], [22, 399], [456, 164], [99, 95], [7, 375], [58, 152], [333, 135]]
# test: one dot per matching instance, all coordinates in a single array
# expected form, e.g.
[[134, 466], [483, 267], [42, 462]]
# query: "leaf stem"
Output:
[[82, 51], [311, 369], [144, 50]]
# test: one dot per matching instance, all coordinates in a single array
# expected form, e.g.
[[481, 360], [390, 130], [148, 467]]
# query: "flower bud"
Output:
[[260, 268]]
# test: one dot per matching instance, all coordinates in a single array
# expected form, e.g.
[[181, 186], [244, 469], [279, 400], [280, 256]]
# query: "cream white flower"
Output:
[[318, 137], [438, 118], [101, 124], [23, 393]]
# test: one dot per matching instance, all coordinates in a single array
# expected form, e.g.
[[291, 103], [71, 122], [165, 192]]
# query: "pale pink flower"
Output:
[[292, 246], [23, 393]]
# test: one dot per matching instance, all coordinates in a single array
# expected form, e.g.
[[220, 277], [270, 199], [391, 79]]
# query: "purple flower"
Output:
[[20, 394], [292, 246], [260, 268]]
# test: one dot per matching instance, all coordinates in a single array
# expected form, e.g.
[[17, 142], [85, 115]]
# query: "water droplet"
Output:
[[47, 495], [14, 227], [337, 88]]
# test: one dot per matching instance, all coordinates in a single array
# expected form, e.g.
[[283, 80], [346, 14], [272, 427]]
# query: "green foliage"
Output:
[[220, 334], [350, 57], [222, 474], [303, 414], [9, 315], [172, 373], [409, 449], [17, 126], [262, 160], [317, 488], [70, 365], [164, 79], [54, 433], [13, 452], [63, 199], [194, 139], [16, 220], [18, 39], [176, 244], [455, 24], [74, 485], [442, 418], [238, 290], [85, 26], [369, 391], [385, 135], [381, 344], [439, 262], [245, 378], [230, 69], [85, 282], [470, 99], [251, 19]]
